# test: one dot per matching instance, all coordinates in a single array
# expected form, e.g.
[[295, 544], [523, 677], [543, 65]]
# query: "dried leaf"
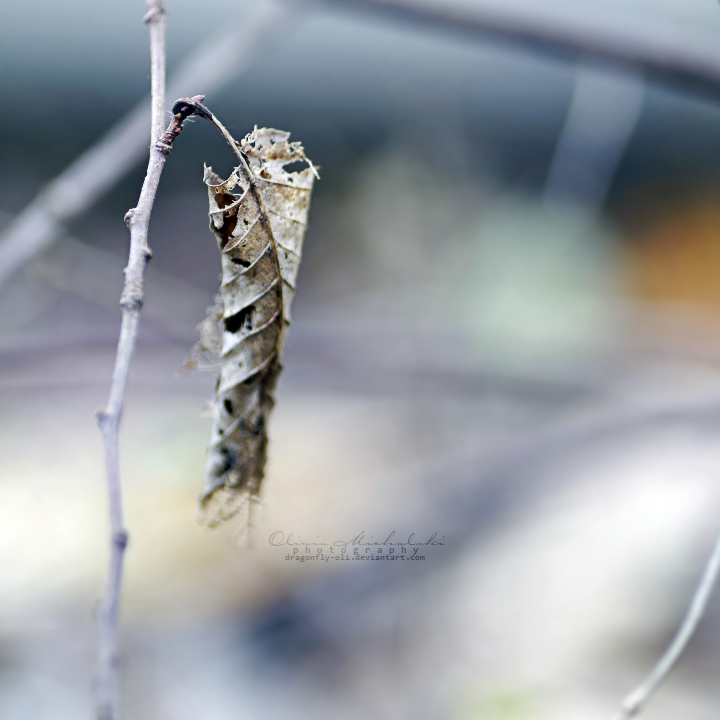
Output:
[[259, 216]]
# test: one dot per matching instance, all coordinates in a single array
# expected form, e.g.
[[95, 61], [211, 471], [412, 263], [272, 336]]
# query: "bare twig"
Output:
[[131, 301], [211, 65], [107, 688], [637, 699]]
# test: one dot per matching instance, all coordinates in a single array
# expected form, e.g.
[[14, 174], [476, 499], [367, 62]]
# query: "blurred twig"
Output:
[[638, 698], [666, 58], [603, 113], [174, 305], [210, 66]]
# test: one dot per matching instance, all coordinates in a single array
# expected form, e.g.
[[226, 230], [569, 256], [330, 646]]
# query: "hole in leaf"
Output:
[[225, 199], [242, 319], [229, 460], [228, 406], [240, 261], [228, 227], [296, 166], [258, 426]]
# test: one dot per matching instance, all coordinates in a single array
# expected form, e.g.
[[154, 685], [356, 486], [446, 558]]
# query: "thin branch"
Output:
[[107, 687], [131, 301], [211, 65], [638, 698], [667, 57], [156, 22]]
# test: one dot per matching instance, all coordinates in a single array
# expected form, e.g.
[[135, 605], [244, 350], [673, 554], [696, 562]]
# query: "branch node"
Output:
[[191, 106], [153, 15], [162, 146], [129, 216], [120, 539], [131, 302]]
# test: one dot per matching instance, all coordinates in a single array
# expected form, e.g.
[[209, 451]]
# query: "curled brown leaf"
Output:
[[259, 217]]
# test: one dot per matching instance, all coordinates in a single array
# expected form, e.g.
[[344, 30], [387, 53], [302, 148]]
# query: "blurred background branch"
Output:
[[592, 142], [645, 48], [506, 333], [211, 65], [661, 57]]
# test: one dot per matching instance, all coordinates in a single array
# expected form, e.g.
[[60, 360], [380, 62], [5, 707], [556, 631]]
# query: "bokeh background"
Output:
[[507, 333]]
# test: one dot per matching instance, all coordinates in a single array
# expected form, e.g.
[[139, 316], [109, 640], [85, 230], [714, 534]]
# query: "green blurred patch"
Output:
[[500, 704]]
